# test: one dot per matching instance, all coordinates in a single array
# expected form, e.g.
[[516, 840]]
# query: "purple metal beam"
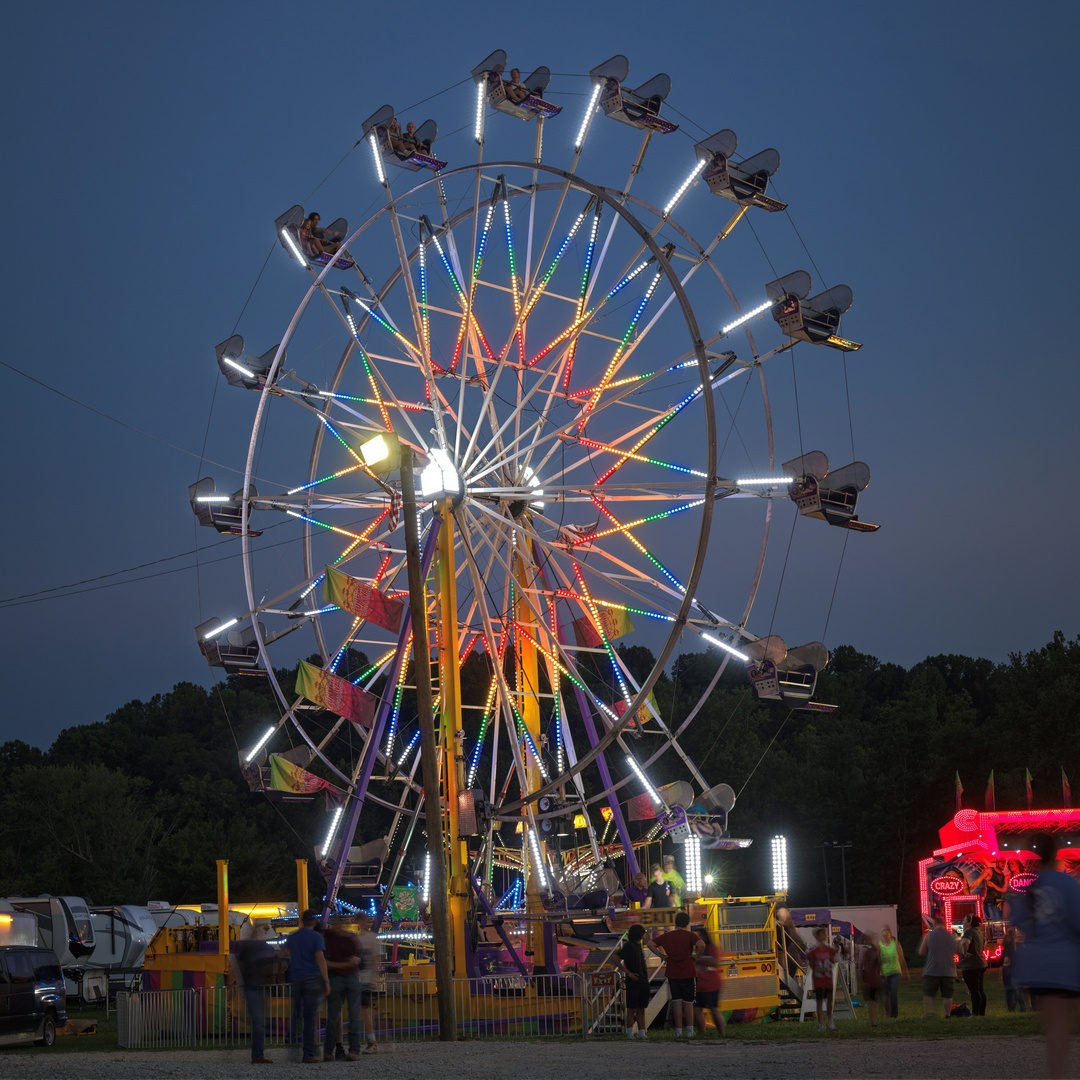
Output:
[[497, 922], [375, 736], [601, 762]]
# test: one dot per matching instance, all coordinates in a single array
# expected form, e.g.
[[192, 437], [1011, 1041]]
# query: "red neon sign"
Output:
[[1020, 882], [947, 886]]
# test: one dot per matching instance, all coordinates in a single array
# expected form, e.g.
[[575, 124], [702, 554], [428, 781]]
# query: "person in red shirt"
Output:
[[820, 958], [710, 976], [679, 949]]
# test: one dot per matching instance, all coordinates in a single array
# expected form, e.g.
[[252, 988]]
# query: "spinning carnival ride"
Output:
[[559, 355]]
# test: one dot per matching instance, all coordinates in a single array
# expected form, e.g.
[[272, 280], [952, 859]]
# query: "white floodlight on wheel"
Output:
[[440, 479], [383, 450]]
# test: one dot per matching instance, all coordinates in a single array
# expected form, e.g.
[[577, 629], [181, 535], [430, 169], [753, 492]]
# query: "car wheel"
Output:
[[48, 1031]]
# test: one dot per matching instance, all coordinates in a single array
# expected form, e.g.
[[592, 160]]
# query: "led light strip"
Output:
[[259, 745], [747, 317], [727, 648], [685, 184], [380, 171]]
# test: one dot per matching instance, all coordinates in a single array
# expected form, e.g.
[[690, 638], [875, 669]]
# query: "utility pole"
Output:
[[843, 865], [437, 888], [825, 863]]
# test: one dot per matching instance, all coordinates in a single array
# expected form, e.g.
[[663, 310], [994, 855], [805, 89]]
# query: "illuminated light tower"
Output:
[[779, 864]]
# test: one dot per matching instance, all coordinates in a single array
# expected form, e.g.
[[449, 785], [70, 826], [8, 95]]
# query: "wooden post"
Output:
[[437, 887]]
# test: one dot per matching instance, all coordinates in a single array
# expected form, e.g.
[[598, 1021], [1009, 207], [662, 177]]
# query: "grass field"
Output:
[[998, 1021]]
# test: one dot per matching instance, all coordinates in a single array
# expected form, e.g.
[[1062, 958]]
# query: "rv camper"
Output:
[[64, 925]]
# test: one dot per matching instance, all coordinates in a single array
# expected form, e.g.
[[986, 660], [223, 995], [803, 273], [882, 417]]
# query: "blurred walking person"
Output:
[[870, 973], [893, 963], [973, 963], [252, 962], [1014, 994], [1047, 913]]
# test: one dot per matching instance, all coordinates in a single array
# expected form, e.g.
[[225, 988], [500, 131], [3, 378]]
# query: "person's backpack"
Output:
[[960, 1010]]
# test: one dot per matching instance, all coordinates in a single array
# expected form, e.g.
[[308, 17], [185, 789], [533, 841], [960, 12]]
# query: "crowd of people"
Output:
[[1040, 966], [331, 963]]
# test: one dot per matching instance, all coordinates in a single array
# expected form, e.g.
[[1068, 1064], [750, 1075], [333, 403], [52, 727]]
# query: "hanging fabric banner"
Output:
[[286, 775], [336, 694], [363, 600], [614, 623]]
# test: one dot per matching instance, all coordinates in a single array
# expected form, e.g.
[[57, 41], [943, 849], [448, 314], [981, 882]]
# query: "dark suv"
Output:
[[32, 995]]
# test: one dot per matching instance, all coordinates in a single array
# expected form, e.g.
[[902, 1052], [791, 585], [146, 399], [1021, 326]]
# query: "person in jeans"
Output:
[[973, 963], [252, 963], [308, 976], [939, 946], [1014, 995], [892, 963], [343, 961]]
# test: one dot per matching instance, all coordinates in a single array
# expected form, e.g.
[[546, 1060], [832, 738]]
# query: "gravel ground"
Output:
[[608, 1059]]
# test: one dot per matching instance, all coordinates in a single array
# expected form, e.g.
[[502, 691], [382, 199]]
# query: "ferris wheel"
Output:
[[586, 402]]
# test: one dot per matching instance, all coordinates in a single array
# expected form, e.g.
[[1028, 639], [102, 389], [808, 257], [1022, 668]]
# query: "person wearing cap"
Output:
[[308, 976]]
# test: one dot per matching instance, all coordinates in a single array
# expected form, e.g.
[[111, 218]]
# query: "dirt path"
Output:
[[615, 1059]]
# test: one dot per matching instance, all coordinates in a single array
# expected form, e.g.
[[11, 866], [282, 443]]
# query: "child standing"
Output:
[[820, 958]]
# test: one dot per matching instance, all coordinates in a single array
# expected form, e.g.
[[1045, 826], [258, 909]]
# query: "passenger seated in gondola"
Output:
[[404, 144], [315, 240], [514, 89]]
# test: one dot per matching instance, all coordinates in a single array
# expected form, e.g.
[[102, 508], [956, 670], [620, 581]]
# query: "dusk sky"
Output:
[[929, 159]]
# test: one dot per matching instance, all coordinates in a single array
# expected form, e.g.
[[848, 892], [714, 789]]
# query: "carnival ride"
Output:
[[551, 350]]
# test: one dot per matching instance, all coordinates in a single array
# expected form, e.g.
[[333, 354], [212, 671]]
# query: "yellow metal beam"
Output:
[[451, 738]]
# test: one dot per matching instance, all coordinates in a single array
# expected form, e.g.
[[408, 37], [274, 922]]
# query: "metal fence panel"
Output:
[[402, 1010]]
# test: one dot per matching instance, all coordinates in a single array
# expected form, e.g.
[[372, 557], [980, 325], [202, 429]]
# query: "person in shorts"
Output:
[[710, 976], [939, 945], [630, 960], [821, 958], [679, 949]]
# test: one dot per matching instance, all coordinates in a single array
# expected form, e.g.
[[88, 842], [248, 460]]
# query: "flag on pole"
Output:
[[1027, 785], [990, 806], [336, 694], [1066, 791], [363, 600], [613, 621], [959, 792]]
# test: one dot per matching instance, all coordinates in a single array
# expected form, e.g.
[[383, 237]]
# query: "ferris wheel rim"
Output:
[[617, 201]]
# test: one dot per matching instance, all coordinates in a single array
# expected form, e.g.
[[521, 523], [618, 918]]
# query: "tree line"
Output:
[[138, 806]]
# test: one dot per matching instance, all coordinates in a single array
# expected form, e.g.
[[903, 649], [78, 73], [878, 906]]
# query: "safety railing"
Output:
[[509, 1006]]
